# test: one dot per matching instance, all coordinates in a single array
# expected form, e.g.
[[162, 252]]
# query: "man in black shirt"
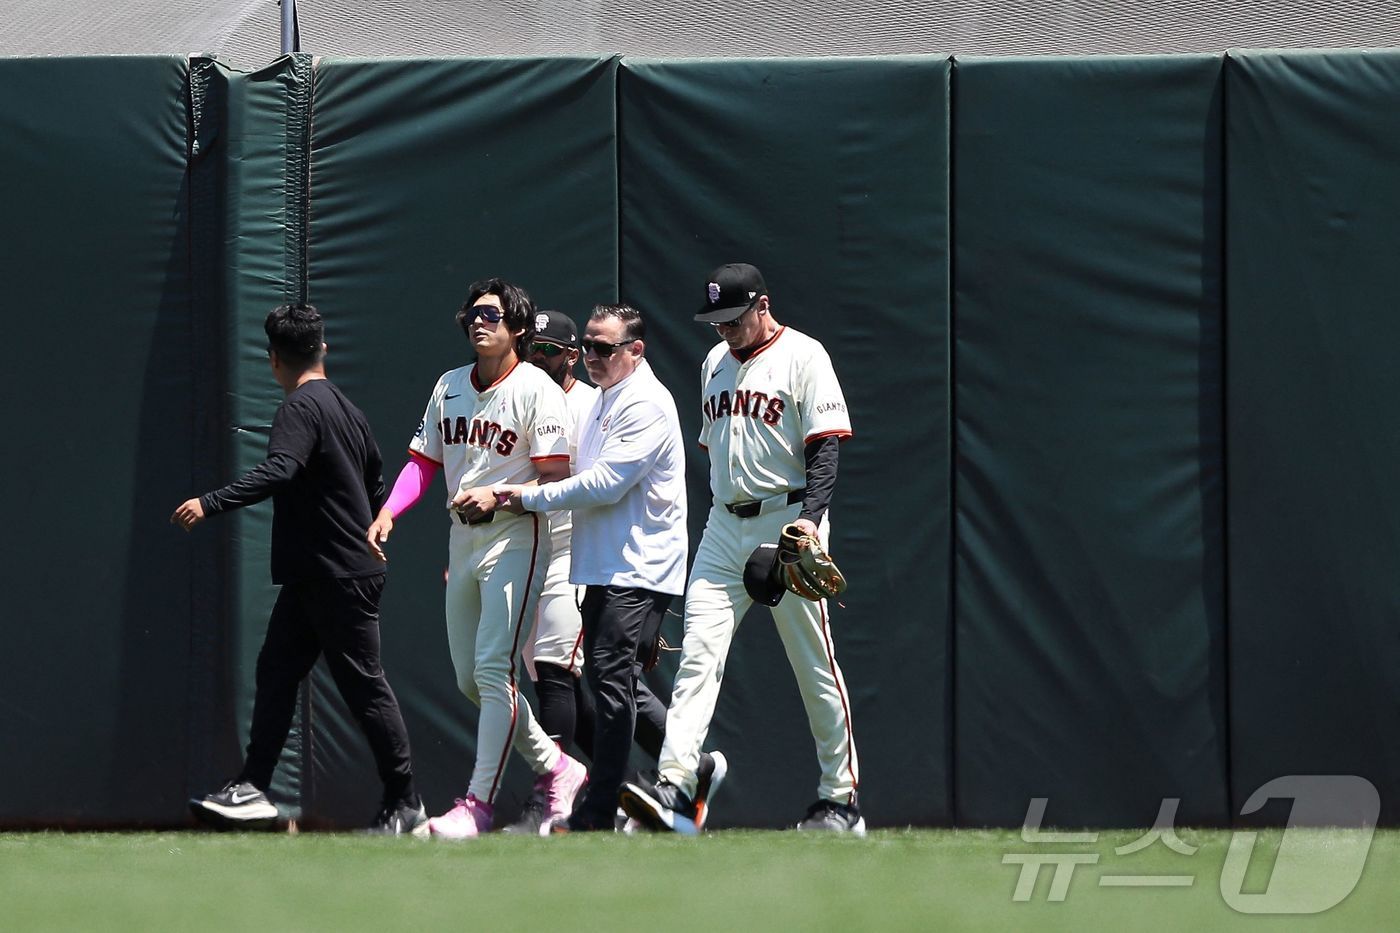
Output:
[[324, 474]]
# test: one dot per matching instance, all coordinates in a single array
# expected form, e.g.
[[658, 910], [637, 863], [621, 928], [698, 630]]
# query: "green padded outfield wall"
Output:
[[105, 388], [832, 177], [1089, 590], [427, 175], [1314, 198], [1075, 345]]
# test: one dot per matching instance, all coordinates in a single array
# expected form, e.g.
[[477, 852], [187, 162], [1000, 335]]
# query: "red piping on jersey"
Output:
[[514, 653], [549, 457], [703, 446], [573, 655], [765, 346], [476, 384], [845, 707], [414, 453], [838, 433]]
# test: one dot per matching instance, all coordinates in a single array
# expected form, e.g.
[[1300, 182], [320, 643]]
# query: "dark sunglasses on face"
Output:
[[550, 350], [735, 322], [601, 348], [488, 313]]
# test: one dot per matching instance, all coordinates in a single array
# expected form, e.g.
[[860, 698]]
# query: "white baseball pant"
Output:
[[494, 576], [715, 604]]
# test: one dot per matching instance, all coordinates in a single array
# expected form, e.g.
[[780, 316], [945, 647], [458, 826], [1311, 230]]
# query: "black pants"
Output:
[[340, 618], [620, 628]]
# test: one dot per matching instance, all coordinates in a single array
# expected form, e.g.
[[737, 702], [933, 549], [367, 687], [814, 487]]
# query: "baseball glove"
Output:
[[805, 567]]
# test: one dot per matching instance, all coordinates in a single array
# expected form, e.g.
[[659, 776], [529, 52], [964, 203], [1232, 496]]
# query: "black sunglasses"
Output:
[[550, 350], [488, 313], [735, 322], [602, 349]]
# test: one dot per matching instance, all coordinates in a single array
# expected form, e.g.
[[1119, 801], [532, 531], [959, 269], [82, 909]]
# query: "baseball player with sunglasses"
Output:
[[495, 421], [773, 416]]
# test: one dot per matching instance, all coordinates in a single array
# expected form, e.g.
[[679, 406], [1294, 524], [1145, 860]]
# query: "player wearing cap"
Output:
[[772, 418], [490, 422], [629, 547], [554, 649]]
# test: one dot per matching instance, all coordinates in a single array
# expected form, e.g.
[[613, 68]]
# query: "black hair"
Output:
[[631, 318], [297, 333], [517, 308]]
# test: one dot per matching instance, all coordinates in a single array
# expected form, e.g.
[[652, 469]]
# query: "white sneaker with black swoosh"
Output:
[[237, 805]]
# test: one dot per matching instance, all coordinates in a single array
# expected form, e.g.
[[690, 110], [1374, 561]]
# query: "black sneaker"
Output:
[[830, 816], [533, 821], [237, 805], [401, 819], [709, 776], [663, 808]]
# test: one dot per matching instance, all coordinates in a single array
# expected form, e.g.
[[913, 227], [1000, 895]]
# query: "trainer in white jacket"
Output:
[[629, 543]]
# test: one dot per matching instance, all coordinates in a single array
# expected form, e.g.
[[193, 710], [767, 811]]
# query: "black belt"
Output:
[[753, 507], [488, 517]]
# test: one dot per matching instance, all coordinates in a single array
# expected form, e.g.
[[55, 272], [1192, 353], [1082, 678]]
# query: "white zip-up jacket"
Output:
[[627, 491]]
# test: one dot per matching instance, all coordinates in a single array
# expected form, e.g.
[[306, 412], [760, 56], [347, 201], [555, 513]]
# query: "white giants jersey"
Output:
[[483, 435], [758, 415], [579, 399]]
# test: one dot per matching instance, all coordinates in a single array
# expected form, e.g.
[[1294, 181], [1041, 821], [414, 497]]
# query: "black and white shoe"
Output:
[[832, 817], [709, 776], [663, 808], [533, 820], [401, 819], [237, 805], [624, 824]]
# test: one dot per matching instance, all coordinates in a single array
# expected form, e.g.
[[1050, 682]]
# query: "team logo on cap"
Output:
[[713, 289], [541, 321]]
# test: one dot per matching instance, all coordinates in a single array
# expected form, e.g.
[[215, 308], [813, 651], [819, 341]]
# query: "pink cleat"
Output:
[[467, 819], [562, 786]]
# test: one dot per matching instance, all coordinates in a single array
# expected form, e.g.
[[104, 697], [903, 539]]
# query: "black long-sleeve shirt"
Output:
[[326, 479], [822, 456]]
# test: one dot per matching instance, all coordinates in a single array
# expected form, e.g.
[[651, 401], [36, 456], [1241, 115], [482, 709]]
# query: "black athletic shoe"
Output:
[[237, 805], [663, 808], [533, 820], [708, 776], [830, 816], [401, 819]]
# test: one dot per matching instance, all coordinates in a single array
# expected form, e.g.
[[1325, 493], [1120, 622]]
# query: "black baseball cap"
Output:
[[761, 575], [553, 327], [729, 291]]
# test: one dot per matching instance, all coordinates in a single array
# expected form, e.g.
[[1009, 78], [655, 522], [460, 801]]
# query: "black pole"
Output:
[[291, 35]]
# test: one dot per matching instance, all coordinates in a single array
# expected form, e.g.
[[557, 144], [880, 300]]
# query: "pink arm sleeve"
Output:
[[413, 481]]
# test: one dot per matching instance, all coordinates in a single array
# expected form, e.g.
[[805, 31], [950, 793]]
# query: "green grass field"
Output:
[[727, 881]]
